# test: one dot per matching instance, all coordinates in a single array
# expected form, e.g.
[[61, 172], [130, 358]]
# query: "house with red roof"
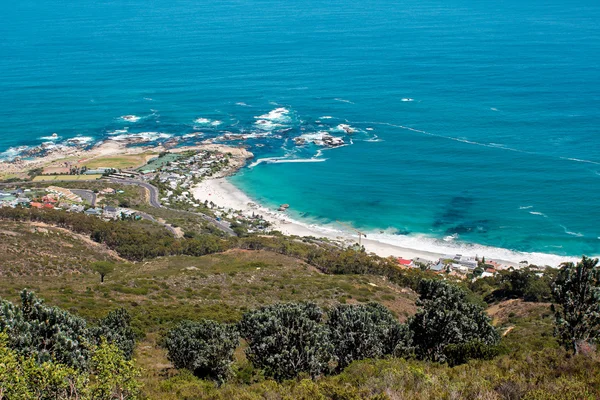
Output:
[[405, 263]]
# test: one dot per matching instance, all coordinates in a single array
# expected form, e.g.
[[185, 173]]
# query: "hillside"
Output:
[[159, 292]]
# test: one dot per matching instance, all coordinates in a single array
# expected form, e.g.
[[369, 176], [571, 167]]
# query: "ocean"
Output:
[[473, 124]]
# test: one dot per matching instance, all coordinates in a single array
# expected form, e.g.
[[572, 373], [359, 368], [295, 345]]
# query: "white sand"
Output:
[[227, 196]]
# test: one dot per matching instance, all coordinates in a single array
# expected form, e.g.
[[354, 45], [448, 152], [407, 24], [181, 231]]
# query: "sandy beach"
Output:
[[228, 197]]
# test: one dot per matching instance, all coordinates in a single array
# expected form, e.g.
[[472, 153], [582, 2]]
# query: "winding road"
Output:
[[155, 202]]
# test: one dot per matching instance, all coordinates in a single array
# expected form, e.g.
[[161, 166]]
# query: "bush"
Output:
[[46, 333], [287, 339], [577, 291], [206, 348], [457, 354], [363, 331], [52, 334], [116, 329], [447, 318]]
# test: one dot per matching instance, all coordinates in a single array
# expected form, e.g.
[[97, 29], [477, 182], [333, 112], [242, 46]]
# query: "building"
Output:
[[93, 211], [406, 263], [439, 267], [110, 212]]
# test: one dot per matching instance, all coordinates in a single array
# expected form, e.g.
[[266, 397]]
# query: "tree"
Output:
[[103, 268], [287, 339], [362, 331], [116, 329], [206, 348], [47, 333], [577, 292], [447, 318]]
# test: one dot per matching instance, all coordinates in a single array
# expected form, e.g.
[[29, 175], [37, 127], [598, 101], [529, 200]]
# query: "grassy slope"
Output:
[[160, 292]]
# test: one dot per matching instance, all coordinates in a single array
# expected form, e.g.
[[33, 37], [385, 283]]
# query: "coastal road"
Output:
[[155, 202]]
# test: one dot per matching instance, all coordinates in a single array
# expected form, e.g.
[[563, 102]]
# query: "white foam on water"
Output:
[[130, 118], [345, 128], [202, 121], [493, 109], [148, 99], [580, 160], [525, 207], [12, 152], [50, 138], [216, 123], [369, 129], [143, 136], [279, 160], [568, 232], [280, 114], [193, 135], [343, 100], [80, 140], [241, 103], [117, 132], [318, 136], [537, 213], [454, 246], [267, 125], [374, 139], [326, 117]]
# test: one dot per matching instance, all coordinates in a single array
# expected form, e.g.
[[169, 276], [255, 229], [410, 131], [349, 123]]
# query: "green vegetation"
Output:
[[52, 178], [103, 268], [447, 318], [206, 348], [577, 291], [363, 331], [125, 161], [446, 348], [109, 376], [287, 339]]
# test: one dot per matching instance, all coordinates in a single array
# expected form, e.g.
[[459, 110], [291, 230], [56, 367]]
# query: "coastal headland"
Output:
[[217, 189]]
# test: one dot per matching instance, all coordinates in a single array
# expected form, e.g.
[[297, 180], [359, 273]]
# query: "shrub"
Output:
[[287, 339], [47, 333], [362, 331], [116, 329], [456, 354], [577, 291], [206, 348], [446, 318]]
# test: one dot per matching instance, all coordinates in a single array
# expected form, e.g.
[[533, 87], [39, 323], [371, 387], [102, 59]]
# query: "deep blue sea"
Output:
[[475, 122]]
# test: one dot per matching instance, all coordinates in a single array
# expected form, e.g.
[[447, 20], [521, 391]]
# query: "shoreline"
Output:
[[227, 196]]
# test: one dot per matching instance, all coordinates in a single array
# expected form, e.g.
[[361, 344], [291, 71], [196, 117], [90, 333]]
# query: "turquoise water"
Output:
[[477, 123]]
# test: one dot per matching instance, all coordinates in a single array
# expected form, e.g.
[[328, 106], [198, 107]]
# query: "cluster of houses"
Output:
[[61, 199], [109, 212], [177, 177], [16, 197], [455, 265]]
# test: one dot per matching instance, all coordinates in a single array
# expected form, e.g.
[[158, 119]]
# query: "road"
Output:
[[155, 202], [86, 195]]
